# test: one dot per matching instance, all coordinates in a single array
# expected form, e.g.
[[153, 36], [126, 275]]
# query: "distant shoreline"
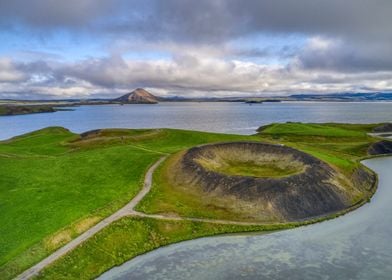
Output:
[[14, 107]]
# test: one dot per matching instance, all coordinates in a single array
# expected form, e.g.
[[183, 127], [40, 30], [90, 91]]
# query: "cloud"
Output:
[[9, 72], [186, 75], [49, 14], [340, 55], [204, 47], [208, 21]]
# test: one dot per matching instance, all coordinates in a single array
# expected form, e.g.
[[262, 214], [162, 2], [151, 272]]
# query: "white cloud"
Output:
[[197, 47], [9, 73], [187, 75]]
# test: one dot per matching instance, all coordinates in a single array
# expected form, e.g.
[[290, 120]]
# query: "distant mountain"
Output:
[[374, 96], [138, 96]]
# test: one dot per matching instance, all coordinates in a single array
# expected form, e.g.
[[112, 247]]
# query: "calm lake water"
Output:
[[355, 246], [238, 118]]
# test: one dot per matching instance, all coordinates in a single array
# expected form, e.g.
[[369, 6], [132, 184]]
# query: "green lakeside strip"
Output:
[[130, 237], [10, 110]]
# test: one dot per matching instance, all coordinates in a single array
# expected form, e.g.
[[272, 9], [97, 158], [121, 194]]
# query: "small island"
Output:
[[253, 101], [10, 110]]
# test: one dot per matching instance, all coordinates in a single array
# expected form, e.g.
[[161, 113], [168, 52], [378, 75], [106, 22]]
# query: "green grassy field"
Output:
[[55, 185], [51, 192]]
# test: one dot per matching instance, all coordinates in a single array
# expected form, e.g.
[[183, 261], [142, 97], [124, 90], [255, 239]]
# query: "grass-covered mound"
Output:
[[313, 189], [341, 146]]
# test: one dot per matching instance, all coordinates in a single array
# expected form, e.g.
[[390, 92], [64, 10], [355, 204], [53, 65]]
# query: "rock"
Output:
[[386, 127], [380, 148]]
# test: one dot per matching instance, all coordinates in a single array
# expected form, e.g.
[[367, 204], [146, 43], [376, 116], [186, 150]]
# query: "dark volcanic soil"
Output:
[[385, 127], [380, 148], [313, 192]]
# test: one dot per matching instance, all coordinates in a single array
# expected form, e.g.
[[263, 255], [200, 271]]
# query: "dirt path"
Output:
[[173, 218], [127, 210]]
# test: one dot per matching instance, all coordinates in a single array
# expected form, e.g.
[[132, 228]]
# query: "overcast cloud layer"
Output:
[[88, 48]]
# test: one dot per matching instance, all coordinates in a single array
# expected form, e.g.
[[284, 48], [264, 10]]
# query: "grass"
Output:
[[326, 130], [239, 168], [55, 184], [167, 197], [130, 237], [44, 188], [341, 145], [178, 200]]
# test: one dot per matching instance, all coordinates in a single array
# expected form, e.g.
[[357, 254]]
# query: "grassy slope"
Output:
[[53, 187], [46, 186], [118, 154]]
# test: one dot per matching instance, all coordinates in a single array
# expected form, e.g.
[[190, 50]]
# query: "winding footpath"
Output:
[[127, 210]]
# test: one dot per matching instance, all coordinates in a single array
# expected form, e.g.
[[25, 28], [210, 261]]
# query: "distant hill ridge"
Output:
[[138, 96], [372, 96]]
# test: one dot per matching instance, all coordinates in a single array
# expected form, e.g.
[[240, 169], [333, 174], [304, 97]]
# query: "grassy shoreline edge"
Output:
[[231, 229]]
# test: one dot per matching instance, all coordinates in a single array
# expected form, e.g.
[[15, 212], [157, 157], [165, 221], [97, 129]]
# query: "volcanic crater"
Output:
[[277, 180]]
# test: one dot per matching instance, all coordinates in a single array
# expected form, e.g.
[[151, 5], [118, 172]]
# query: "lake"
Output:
[[237, 118]]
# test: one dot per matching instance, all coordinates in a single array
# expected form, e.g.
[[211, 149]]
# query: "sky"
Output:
[[54, 49]]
